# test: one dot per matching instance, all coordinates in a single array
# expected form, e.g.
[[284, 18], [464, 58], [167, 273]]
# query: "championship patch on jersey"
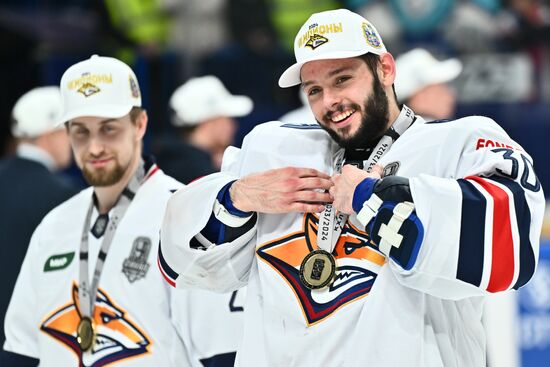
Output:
[[118, 338], [136, 266], [315, 41], [357, 265], [391, 169]]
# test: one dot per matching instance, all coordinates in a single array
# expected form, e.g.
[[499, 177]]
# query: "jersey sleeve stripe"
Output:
[[472, 234], [167, 272], [502, 264], [523, 219]]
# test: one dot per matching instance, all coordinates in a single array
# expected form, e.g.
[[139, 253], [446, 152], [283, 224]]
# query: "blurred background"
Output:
[[503, 45]]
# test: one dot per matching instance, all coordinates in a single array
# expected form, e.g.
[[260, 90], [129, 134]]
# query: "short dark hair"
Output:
[[373, 62], [135, 112]]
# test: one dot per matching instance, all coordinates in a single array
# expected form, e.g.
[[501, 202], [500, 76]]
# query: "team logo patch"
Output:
[[371, 36], [391, 169], [88, 89], [135, 266], [118, 338], [315, 41], [357, 265], [134, 87], [58, 262]]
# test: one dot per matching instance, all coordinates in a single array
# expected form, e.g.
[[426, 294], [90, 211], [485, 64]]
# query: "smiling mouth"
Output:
[[339, 118]]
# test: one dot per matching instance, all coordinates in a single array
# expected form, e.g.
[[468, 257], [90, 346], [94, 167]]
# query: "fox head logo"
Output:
[[118, 338], [357, 265]]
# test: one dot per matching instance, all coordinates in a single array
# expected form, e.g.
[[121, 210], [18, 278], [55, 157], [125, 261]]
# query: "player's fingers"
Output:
[[311, 197], [306, 208], [313, 183], [311, 172]]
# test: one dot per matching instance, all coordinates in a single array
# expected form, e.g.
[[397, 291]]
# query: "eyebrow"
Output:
[[330, 74], [102, 122]]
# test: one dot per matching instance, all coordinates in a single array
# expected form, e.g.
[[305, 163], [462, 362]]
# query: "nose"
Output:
[[96, 146], [331, 98]]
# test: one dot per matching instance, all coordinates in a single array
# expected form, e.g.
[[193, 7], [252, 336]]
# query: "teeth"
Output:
[[341, 116]]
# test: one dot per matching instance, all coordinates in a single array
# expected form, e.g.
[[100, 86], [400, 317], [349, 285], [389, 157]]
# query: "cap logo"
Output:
[[134, 87], [371, 36], [315, 41], [88, 89], [315, 30]]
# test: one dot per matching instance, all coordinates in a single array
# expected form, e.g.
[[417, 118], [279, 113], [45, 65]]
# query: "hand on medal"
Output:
[[282, 190], [345, 183]]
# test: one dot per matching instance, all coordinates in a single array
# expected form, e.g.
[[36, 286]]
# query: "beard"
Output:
[[104, 177], [373, 124]]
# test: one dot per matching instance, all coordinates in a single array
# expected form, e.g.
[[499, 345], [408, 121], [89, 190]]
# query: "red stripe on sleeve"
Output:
[[166, 277], [502, 265]]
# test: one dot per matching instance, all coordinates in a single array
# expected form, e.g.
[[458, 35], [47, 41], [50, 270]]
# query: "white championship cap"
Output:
[[36, 112], [417, 69], [332, 34], [205, 97], [99, 87]]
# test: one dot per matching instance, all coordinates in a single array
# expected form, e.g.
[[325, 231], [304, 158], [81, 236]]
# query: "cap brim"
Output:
[[107, 111], [445, 71], [237, 106], [291, 76]]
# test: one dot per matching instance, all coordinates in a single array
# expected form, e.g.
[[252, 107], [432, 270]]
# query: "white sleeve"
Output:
[[482, 227], [219, 268], [21, 324]]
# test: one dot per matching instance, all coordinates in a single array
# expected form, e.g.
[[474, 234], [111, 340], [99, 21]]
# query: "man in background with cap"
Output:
[[29, 186], [89, 292], [422, 84], [386, 266], [203, 115]]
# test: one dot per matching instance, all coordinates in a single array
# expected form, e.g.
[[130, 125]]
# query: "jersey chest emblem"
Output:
[[118, 338], [135, 266], [357, 265]]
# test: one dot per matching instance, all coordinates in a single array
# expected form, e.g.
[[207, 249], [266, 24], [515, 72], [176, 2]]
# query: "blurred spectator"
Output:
[[421, 84], [203, 115], [28, 186]]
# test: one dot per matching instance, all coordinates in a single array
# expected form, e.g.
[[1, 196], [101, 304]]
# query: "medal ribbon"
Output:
[[331, 225], [87, 292]]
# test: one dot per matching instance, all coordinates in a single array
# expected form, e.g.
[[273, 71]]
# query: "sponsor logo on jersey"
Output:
[[58, 262], [89, 89], [118, 338], [488, 143], [135, 266], [315, 41], [357, 265]]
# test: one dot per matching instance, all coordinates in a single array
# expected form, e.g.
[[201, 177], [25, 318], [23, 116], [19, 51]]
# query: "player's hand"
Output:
[[345, 184], [282, 190]]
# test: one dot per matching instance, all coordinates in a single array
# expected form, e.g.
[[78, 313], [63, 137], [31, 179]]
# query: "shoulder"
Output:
[[162, 183], [277, 131], [68, 213]]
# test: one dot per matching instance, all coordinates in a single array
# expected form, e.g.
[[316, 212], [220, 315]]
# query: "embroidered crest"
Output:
[[134, 87], [315, 41], [371, 36], [136, 266], [88, 89]]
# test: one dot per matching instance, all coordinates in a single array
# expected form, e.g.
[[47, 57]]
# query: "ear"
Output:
[[141, 124], [386, 71]]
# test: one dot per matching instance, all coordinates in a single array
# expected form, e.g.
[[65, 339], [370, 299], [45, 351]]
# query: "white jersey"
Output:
[[480, 234], [138, 317]]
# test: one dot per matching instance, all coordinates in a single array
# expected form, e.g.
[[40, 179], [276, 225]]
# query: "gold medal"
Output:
[[317, 269], [85, 333]]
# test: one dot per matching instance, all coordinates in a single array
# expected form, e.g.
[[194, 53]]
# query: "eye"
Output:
[[313, 91], [108, 129], [79, 132], [342, 79]]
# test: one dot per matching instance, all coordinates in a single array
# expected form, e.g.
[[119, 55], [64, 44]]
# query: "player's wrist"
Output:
[[236, 196]]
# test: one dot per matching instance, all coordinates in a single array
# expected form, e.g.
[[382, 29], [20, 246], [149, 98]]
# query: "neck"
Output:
[[107, 196], [394, 112]]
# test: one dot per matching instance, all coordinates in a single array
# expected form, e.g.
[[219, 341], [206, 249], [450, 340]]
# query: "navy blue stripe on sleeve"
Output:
[[472, 234], [169, 273], [523, 217]]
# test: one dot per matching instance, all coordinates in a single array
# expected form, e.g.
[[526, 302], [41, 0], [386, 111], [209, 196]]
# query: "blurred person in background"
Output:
[[422, 84], [29, 185], [204, 117]]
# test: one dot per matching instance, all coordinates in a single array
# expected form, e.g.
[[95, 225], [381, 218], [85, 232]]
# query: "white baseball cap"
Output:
[[417, 69], [205, 97], [36, 112], [100, 87], [332, 34]]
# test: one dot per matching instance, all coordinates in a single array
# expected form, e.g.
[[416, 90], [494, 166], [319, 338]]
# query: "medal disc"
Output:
[[317, 269], [85, 333]]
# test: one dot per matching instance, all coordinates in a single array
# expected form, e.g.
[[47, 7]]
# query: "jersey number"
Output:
[[514, 172]]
